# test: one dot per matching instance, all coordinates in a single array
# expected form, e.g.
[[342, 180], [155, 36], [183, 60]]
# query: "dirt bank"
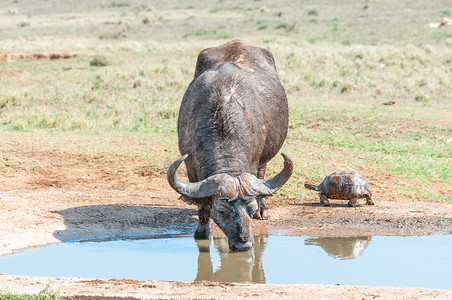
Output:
[[78, 288], [14, 56]]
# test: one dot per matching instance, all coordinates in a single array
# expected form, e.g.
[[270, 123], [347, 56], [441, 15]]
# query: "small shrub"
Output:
[[262, 27], [319, 84], [99, 61], [111, 36], [114, 4], [346, 42], [18, 127], [422, 83], [137, 83], [24, 24], [446, 13], [268, 41], [313, 12], [167, 113], [146, 21], [79, 124], [420, 98], [6, 100], [281, 25], [343, 72], [98, 83], [428, 49], [292, 27]]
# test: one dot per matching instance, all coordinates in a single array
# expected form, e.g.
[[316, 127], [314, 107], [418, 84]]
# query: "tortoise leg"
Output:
[[324, 200], [261, 212], [369, 201], [352, 202]]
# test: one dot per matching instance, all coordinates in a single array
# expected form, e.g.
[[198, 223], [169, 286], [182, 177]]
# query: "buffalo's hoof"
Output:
[[261, 214], [202, 233]]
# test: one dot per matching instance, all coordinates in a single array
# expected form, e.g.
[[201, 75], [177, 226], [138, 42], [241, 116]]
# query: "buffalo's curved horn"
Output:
[[221, 185], [279, 180], [272, 185]]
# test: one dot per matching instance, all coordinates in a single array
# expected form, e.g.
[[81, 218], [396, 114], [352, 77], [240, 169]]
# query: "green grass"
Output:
[[378, 23], [214, 33], [380, 135], [45, 294], [337, 70]]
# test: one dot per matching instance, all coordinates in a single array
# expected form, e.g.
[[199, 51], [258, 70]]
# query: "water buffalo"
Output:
[[233, 120]]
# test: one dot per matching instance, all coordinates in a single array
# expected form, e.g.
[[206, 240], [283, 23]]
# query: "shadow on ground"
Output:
[[101, 221], [334, 203]]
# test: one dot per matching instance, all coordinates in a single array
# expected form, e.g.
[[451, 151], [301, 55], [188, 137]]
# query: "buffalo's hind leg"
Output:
[[261, 212], [203, 230]]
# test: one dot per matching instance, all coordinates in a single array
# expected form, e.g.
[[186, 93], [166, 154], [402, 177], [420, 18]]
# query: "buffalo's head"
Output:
[[233, 199]]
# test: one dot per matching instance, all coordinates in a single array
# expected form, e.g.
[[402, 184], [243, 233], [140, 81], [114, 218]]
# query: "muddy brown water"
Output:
[[415, 261]]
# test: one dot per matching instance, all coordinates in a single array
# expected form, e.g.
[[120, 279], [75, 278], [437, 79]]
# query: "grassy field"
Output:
[[338, 63]]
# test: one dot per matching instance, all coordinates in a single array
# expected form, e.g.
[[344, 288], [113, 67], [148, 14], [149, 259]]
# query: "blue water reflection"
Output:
[[379, 260]]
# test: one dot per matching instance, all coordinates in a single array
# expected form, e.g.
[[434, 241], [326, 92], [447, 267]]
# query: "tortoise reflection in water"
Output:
[[344, 185], [342, 248]]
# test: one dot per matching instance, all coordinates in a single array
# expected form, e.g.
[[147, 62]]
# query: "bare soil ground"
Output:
[[55, 195], [14, 56]]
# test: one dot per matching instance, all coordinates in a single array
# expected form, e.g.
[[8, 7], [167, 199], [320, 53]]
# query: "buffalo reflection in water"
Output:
[[341, 247], [247, 266], [234, 266]]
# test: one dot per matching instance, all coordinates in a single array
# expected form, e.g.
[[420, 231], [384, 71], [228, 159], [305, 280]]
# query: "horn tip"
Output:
[[173, 167], [181, 159], [287, 159]]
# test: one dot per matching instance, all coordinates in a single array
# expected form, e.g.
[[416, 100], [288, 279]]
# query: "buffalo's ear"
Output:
[[189, 200]]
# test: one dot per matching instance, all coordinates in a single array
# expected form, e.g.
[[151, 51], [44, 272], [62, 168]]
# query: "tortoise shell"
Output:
[[345, 185]]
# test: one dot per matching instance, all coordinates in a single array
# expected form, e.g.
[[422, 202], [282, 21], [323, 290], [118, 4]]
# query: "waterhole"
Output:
[[363, 260]]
